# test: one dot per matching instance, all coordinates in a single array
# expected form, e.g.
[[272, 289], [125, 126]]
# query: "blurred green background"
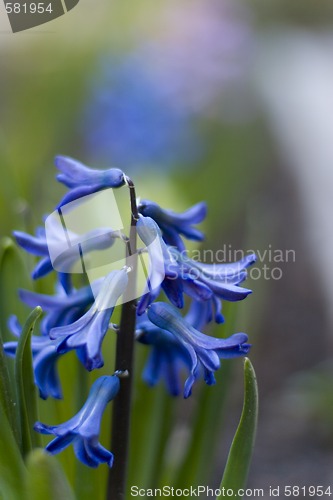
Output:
[[224, 102]]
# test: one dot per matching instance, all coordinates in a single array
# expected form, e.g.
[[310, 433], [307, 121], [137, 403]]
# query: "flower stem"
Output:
[[124, 361]]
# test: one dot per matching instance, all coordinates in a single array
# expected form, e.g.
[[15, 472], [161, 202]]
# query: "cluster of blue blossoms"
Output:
[[79, 319]]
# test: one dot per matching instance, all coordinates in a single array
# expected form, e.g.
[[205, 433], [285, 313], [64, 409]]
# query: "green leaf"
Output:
[[25, 385], [197, 464], [11, 463], [11, 272], [13, 275], [7, 400], [45, 478], [240, 454]]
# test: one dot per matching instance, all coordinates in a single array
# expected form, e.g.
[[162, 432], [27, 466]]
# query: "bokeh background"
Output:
[[225, 101]]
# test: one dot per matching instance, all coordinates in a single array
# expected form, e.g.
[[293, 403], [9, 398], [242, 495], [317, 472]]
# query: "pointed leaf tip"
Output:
[[46, 478], [241, 450], [26, 390]]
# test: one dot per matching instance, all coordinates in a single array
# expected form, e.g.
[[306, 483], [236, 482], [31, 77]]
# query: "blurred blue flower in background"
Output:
[[129, 120], [144, 106]]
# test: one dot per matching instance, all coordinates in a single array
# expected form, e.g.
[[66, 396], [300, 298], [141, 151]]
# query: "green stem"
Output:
[[121, 413]]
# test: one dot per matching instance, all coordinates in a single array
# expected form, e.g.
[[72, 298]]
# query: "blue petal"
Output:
[[79, 192], [77, 326], [174, 291], [146, 300], [194, 215], [188, 385], [47, 302], [171, 374], [46, 376], [43, 428], [43, 268], [198, 314], [209, 358], [101, 454], [10, 348], [94, 341], [65, 280], [217, 307], [152, 370], [77, 298], [89, 331], [59, 443], [14, 325], [165, 316], [209, 377], [81, 453], [221, 270], [73, 169], [195, 289], [172, 223], [172, 238], [31, 244], [161, 262], [103, 390], [225, 291], [64, 179], [233, 352]]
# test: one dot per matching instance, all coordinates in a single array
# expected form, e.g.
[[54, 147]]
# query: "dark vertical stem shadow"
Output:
[[121, 415]]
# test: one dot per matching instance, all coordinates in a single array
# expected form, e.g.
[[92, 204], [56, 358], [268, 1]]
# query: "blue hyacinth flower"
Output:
[[175, 224], [98, 239], [175, 273], [162, 265], [36, 245], [45, 357], [87, 333], [62, 309], [82, 431], [205, 352], [168, 357], [230, 272], [213, 281], [82, 180]]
